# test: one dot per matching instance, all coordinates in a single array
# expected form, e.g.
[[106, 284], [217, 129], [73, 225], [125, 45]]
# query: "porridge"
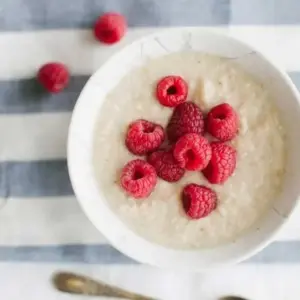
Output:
[[260, 149]]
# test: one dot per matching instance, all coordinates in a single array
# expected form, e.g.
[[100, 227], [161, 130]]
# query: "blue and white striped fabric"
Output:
[[42, 228]]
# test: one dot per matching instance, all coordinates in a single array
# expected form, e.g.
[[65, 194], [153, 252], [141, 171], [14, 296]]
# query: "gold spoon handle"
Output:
[[78, 284]]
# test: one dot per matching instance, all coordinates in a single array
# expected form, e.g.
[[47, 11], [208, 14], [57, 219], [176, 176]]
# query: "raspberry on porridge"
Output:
[[198, 201], [138, 178], [192, 151], [165, 165], [143, 137], [171, 91], [222, 122], [186, 118], [243, 152], [222, 163]]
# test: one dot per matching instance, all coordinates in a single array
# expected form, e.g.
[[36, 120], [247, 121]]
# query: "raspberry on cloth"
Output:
[[110, 28], [54, 76]]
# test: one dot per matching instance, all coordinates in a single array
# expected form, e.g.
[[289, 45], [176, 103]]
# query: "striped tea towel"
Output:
[[42, 228]]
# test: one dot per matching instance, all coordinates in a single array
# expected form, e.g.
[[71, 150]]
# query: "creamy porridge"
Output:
[[260, 145]]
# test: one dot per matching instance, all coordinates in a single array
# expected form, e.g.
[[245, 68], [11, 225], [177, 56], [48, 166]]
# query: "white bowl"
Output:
[[81, 140]]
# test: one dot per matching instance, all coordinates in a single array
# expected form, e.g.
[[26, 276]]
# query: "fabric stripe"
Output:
[[49, 220], [77, 48], [106, 254], [24, 96], [82, 14], [34, 179], [268, 12], [36, 14], [83, 55], [27, 96], [33, 136]]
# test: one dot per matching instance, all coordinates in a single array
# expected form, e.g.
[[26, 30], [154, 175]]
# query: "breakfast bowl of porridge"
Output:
[[183, 150]]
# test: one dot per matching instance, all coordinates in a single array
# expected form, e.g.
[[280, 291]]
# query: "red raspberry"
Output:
[[138, 178], [198, 200], [192, 151], [166, 166], [187, 118], [222, 163], [110, 28], [171, 91], [222, 122], [53, 76], [144, 137]]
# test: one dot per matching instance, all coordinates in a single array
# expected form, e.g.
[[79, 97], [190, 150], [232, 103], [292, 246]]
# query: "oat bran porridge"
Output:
[[260, 145]]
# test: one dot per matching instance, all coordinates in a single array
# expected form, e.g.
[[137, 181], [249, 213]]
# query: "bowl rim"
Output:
[[87, 209]]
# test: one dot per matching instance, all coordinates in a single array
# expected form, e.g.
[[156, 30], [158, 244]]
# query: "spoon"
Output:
[[232, 298], [77, 284]]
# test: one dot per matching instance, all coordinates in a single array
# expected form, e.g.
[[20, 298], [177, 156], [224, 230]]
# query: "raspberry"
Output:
[[222, 122], [222, 163], [171, 91], [198, 200], [138, 178], [192, 152], [144, 137], [186, 118], [110, 28], [165, 165], [53, 76]]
